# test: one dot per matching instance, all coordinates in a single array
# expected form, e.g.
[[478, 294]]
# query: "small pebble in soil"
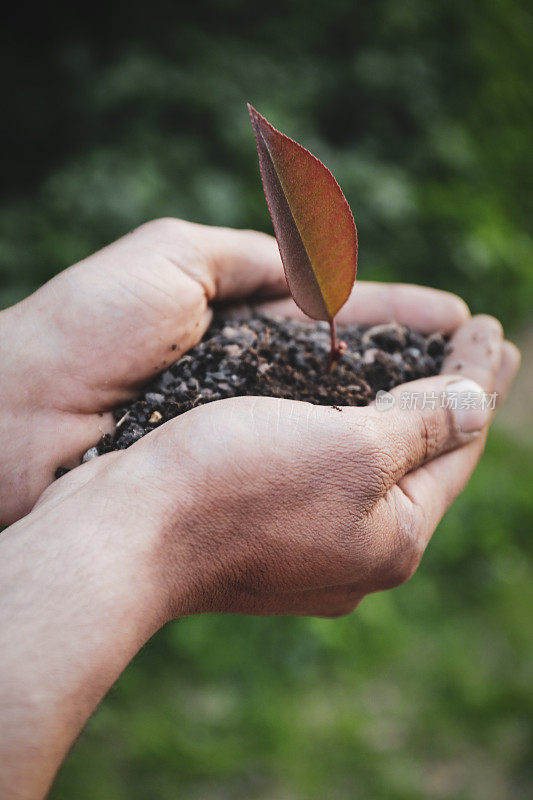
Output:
[[276, 358], [91, 453]]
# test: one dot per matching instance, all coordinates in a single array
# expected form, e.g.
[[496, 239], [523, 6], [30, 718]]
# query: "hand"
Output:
[[88, 339], [85, 341], [278, 507], [253, 505]]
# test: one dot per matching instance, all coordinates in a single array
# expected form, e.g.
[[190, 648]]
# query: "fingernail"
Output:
[[469, 404]]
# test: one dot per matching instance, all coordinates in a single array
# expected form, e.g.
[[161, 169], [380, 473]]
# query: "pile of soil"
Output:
[[277, 358]]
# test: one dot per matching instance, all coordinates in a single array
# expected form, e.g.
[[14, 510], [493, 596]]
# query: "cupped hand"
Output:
[[266, 506], [91, 336], [249, 505]]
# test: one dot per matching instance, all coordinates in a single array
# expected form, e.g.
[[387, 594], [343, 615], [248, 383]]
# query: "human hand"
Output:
[[269, 506], [87, 339], [253, 505], [295, 509]]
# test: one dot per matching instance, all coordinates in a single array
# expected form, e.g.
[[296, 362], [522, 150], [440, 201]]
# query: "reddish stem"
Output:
[[337, 348]]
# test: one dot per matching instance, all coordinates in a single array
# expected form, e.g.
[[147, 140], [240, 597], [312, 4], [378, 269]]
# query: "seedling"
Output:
[[313, 224]]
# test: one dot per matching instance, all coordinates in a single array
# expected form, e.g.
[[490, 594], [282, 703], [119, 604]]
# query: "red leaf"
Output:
[[312, 221]]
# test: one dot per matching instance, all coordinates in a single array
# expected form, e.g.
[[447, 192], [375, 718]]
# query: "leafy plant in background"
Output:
[[424, 117], [313, 224]]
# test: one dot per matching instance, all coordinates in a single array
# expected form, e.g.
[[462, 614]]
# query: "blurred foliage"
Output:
[[424, 113]]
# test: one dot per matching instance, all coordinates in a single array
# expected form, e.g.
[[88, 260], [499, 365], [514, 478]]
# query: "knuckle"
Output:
[[258, 235], [492, 325], [356, 484], [427, 434], [163, 228], [461, 309], [437, 429], [429, 429], [379, 465], [371, 461], [341, 610], [340, 603], [402, 559]]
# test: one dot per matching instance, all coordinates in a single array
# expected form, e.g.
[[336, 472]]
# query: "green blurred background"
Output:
[[423, 110]]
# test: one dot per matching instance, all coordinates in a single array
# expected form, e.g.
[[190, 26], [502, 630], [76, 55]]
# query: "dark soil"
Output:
[[277, 358]]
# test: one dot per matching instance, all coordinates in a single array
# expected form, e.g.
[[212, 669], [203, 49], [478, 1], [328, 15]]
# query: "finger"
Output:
[[509, 366], [226, 262], [426, 310], [435, 486], [423, 419], [242, 263], [475, 350]]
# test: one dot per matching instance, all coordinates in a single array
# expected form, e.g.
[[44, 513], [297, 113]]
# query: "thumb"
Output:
[[423, 419], [239, 263]]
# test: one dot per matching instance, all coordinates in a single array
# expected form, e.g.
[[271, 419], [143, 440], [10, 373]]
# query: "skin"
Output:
[[249, 505], [87, 339]]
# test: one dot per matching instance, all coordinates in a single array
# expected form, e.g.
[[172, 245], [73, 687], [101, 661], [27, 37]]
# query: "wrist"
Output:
[[77, 600]]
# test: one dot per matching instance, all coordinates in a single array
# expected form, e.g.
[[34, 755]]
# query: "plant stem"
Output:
[[333, 352], [337, 348]]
